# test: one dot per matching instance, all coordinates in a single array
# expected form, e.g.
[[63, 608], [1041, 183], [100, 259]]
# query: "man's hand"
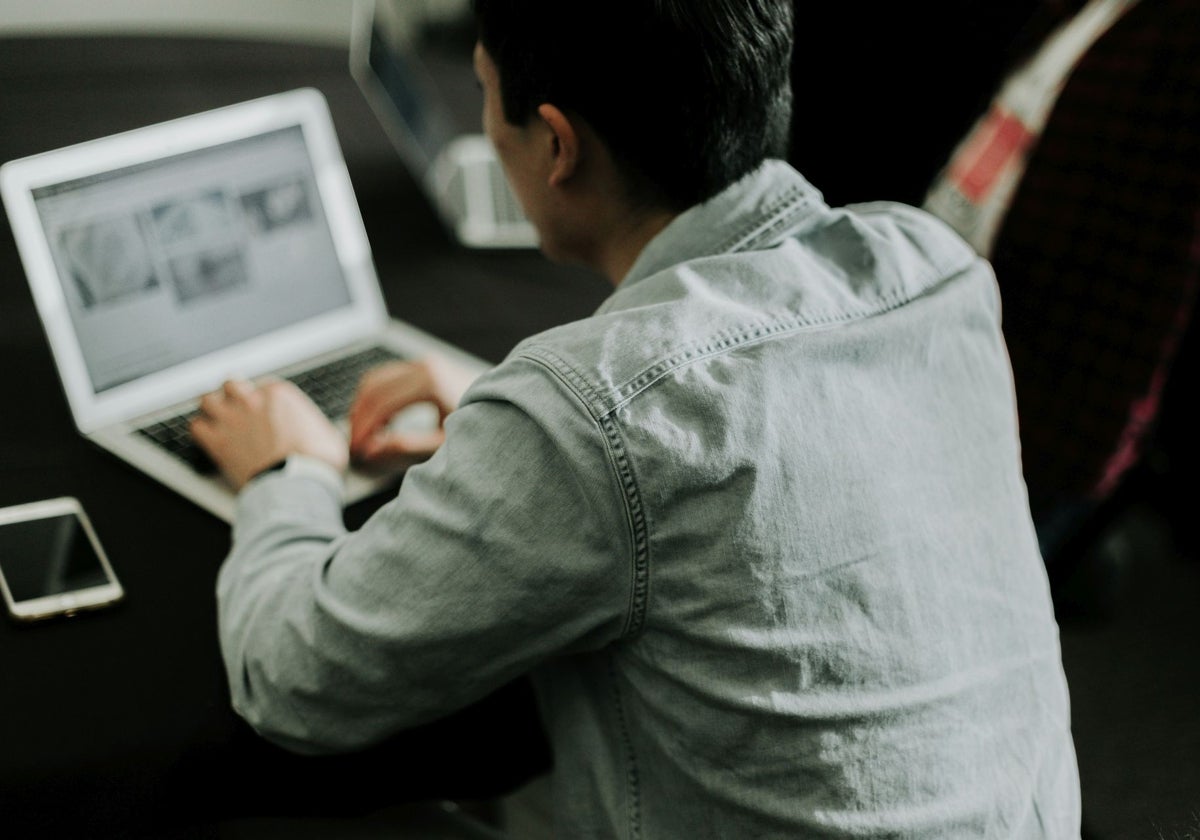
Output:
[[390, 388], [246, 429]]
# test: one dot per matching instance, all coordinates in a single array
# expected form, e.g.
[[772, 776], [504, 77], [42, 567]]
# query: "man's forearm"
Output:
[[285, 528]]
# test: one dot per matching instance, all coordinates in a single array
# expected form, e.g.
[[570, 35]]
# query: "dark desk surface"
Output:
[[118, 722]]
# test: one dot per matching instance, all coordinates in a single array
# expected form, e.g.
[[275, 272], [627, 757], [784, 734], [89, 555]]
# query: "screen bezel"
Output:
[[62, 603], [366, 22], [365, 313]]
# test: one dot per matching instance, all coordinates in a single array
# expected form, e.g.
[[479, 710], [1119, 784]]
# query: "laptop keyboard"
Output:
[[174, 436], [508, 211], [331, 386]]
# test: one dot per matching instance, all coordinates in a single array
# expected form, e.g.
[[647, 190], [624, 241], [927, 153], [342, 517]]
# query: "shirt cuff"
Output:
[[302, 466]]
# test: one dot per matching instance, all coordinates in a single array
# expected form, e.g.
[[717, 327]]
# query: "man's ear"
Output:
[[565, 141]]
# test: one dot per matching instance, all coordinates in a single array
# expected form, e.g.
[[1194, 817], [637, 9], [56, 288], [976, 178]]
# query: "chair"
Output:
[[1098, 261]]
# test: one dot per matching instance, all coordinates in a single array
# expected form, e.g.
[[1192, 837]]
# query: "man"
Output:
[[756, 529]]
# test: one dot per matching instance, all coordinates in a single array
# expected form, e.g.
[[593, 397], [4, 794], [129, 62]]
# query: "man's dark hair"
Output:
[[688, 95]]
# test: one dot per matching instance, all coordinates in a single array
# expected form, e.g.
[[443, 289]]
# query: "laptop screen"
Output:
[[413, 63], [169, 260], [411, 96]]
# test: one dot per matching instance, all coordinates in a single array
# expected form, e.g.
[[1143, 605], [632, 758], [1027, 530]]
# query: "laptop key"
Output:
[[174, 435], [331, 386]]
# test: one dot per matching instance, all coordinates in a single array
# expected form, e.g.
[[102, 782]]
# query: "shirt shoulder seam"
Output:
[[748, 334], [623, 473]]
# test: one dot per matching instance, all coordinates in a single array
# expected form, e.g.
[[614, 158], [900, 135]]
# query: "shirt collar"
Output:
[[752, 212]]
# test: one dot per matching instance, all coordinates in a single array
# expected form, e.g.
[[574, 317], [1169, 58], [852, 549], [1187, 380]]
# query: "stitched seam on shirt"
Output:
[[641, 544], [731, 339], [776, 216], [632, 778], [636, 519], [779, 215], [570, 377]]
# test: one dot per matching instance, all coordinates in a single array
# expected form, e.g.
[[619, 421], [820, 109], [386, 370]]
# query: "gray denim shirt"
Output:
[[757, 528]]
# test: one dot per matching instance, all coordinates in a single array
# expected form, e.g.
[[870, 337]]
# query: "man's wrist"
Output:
[[270, 468], [299, 464]]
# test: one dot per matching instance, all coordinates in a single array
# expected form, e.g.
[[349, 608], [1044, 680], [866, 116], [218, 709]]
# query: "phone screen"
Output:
[[48, 556]]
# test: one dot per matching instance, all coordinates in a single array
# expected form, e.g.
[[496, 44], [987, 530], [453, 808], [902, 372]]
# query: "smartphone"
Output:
[[51, 562]]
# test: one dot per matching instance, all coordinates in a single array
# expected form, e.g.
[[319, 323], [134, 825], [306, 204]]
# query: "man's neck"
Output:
[[620, 250]]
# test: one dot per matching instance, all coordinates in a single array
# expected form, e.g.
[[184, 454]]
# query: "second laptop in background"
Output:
[[458, 170]]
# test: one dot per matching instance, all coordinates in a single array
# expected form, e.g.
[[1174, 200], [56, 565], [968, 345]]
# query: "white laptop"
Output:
[[168, 259], [459, 171]]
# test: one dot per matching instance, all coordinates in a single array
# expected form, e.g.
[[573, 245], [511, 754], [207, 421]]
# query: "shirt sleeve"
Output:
[[509, 547]]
